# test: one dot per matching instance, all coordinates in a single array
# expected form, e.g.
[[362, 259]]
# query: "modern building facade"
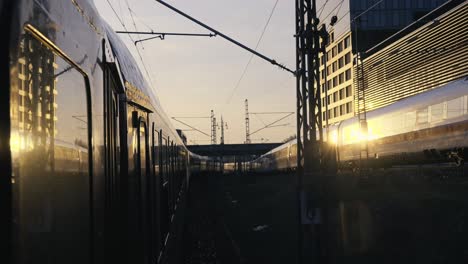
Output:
[[359, 26], [429, 57]]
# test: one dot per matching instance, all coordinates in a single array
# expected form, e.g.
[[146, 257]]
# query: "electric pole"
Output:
[[222, 131], [213, 128], [309, 131], [247, 122]]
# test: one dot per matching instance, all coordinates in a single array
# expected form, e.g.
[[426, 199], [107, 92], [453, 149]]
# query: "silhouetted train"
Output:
[[92, 169], [425, 128]]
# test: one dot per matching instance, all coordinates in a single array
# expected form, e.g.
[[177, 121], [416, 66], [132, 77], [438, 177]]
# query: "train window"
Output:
[[144, 183], [409, 121], [455, 107], [49, 144], [436, 113], [142, 146], [422, 117]]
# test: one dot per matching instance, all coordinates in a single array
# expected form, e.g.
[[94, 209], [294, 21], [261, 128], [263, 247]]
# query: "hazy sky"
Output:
[[192, 75]]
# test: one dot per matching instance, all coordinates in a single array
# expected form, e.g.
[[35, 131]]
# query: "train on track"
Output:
[[92, 169], [431, 127]]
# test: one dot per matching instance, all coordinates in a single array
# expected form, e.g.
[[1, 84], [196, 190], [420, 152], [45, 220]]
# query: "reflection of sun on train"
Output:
[[426, 128], [92, 170]]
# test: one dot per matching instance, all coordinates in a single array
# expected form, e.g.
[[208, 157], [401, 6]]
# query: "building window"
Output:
[[340, 63], [348, 74], [334, 51], [348, 91], [347, 42], [342, 94], [341, 78], [347, 58], [332, 37], [329, 85], [349, 107], [335, 114], [335, 66], [340, 47], [335, 81], [329, 101]]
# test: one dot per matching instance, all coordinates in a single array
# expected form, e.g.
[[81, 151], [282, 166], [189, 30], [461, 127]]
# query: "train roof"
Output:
[[134, 78]]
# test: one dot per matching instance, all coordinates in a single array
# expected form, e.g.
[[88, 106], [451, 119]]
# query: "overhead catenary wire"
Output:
[[252, 55], [272, 61], [271, 124], [332, 11], [138, 52], [192, 127], [322, 8], [358, 15]]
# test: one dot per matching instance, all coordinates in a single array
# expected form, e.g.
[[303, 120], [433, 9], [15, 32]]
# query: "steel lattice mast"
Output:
[[213, 128], [309, 122], [247, 122]]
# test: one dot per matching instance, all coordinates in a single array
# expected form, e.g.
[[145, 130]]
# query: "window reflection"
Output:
[[50, 157]]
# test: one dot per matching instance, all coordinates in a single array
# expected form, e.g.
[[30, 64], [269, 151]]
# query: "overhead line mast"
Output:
[[247, 122], [309, 129], [213, 128]]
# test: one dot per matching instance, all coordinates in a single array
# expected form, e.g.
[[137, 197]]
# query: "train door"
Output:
[[155, 193], [165, 207], [137, 182], [113, 195]]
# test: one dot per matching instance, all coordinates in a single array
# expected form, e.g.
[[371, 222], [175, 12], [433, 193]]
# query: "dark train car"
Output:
[[92, 169]]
